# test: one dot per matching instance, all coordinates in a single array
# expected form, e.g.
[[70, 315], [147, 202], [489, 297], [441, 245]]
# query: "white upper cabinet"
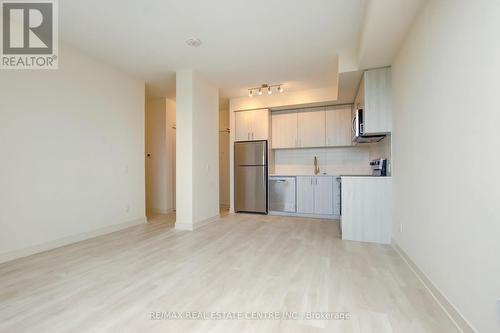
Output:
[[252, 125], [284, 129], [338, 126], [375, 98], [260, 124], [314, 127], [311, 128], [243, 126]]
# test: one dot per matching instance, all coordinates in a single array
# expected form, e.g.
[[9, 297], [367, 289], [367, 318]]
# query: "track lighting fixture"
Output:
[[269, 87]]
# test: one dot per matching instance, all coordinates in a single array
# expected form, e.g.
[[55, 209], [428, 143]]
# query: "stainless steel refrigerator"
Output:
[[250, 175]]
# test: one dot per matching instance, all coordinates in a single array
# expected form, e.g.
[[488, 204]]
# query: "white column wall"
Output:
[[197, 150]]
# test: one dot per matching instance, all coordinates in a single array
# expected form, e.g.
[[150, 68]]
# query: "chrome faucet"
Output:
[[316, 166]]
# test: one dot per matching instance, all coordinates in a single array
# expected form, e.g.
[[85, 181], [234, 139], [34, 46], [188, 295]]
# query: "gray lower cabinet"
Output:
[[315, 195], [309, 196], [323, 196], [305, 195]]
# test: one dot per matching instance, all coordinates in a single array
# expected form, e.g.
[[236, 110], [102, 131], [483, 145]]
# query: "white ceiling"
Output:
[[244, 43]]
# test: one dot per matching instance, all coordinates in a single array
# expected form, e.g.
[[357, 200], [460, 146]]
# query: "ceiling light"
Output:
[[269, 87], [193, 42]]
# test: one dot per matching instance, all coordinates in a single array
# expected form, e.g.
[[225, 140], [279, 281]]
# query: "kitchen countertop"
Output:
[[321, 175], [300, 175], [364, 176]]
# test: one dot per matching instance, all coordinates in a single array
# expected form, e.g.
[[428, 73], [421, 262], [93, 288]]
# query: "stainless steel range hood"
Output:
[[368, 138]]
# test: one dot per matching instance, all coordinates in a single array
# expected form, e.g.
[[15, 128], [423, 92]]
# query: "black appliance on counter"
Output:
[[379, 167]]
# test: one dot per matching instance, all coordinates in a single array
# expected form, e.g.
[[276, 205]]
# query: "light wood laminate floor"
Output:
[[241, 263]]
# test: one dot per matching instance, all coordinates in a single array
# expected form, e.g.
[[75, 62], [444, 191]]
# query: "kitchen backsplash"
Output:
[[334, 161], [381, 149]]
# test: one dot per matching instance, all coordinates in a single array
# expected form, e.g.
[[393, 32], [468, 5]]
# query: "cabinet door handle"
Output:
[[252, 135], [248, 136], [311, 181]]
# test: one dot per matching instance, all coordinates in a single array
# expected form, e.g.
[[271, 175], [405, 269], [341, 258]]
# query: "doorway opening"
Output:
[[160, 137]]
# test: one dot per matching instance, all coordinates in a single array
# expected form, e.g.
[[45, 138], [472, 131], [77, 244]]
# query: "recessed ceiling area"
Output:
[[244, 44]]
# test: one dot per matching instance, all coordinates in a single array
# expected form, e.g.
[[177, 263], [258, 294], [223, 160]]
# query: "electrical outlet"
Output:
[[401, 228]]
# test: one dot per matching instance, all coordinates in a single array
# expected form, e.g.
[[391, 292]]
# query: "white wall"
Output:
[[197, 148], [160, 166], [206, 148], [71, 151], [446, 153], [171, 134], [184, 149], [224, 158]]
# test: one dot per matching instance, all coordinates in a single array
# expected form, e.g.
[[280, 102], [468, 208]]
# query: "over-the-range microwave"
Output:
[[358, 130]]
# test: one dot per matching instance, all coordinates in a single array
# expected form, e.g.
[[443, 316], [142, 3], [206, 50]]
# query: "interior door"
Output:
[[305, 195], [311, 128], [323, 195]]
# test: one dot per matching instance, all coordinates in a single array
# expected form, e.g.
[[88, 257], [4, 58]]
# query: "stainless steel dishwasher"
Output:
[[282, 194]]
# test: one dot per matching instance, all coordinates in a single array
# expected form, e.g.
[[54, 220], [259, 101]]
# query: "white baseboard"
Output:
[[455, 316], [12, 255], [160, 211], [196, 225], [313, 216], [183, 226]]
